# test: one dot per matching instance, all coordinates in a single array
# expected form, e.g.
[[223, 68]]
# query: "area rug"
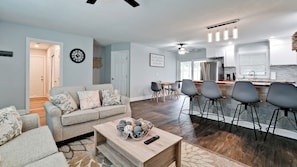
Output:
[[80, 154]]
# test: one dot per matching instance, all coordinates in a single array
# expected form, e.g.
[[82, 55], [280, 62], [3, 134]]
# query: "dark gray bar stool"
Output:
[[190, 90], [284, 97], [246, 94], [211, 91]]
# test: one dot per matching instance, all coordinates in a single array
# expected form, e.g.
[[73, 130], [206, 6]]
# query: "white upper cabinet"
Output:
[[229, 58], [212, 52], [281, 52]]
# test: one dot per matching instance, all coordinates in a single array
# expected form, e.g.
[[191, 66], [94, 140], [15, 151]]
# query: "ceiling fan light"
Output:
[[209, 37], [226, 34], [235, 33], [218, 36]]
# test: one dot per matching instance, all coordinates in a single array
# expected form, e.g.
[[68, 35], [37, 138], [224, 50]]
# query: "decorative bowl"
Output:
[[134, 129]]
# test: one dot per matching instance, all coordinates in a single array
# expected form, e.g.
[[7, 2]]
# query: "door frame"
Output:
[[28, 40]]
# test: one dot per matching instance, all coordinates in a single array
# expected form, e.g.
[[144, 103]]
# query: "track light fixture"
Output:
[[225, 32]]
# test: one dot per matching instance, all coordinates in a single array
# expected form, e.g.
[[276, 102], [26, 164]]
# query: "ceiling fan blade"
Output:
[[91, 1], [132, 3]]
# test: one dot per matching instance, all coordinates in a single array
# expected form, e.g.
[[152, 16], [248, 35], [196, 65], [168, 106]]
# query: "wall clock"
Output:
[[77, 55]]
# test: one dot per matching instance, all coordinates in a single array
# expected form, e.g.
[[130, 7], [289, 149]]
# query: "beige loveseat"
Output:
[[35, 147], [82, 121]]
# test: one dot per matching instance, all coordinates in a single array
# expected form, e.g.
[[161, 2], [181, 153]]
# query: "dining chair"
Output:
[[156, 88], [173, 89]]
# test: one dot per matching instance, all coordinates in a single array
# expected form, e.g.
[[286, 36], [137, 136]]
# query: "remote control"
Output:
[[151, 139]]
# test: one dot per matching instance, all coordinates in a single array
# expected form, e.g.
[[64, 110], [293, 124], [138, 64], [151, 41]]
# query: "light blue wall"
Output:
[[142, 74], [13, 69]]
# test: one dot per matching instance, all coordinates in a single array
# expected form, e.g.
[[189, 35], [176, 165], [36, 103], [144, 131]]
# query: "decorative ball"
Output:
[[128, 129], [128, 123], [121, 127], [137, 123], [137, 131]]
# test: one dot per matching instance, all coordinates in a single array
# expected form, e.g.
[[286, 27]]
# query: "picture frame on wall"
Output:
[[157, 60]]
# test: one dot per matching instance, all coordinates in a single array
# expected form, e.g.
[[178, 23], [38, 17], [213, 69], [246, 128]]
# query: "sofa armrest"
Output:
[[30, 121], [53, 120], [52, 110]]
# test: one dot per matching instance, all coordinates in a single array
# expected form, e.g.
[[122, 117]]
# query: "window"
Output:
[[252, 64], [186, 70], [252, 61], [190, 70]]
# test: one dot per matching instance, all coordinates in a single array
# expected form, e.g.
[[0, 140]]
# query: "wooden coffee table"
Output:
[[121, 152]]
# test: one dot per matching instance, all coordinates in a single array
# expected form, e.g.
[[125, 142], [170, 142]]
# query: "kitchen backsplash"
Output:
[[283, 72]]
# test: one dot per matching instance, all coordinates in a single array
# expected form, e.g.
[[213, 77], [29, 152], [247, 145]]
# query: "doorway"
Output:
[[43, 63]]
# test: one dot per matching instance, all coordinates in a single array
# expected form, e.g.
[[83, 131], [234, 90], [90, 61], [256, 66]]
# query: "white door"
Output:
[[119, 71], [37, 76]]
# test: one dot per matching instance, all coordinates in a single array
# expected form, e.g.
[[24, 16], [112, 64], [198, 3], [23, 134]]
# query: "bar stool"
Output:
[[246, 94], [190, 90], [283, 96], [156, 88], [211, 91]]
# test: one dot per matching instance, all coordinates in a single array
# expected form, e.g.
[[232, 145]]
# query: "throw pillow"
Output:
[[10, 124], [88, 99], [65, 102], [110, 98]]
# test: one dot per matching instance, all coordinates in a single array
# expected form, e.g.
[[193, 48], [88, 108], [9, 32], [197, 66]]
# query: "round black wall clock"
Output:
[[77, 55]]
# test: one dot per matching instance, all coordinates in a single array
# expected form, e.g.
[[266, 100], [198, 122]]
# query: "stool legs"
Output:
[[214, 103], [190, 105], [239, 112], [271, 122]]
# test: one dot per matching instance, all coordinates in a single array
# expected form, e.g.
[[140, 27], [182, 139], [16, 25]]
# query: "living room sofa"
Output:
[[66, 126], [35, 147]]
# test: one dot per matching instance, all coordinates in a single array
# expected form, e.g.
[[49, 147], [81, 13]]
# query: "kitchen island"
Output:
[[264, 109]]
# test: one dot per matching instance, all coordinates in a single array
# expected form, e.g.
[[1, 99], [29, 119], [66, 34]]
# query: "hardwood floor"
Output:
[[36, 106], [239, 145]]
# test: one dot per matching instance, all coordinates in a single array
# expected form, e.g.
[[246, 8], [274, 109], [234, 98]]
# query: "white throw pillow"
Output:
[[65, 102], [10, 124], [88, 99], [110, 98]]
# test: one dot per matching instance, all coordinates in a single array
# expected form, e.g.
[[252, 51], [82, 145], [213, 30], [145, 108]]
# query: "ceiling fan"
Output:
[[182, 50], [130, 2]]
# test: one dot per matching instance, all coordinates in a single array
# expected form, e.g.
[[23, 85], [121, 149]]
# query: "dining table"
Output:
[[165, 85]]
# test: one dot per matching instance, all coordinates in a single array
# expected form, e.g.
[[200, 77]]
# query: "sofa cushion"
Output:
[[110, 98], [72, 90], [109, 111], [100, 87], [89, 99], [10, 124], [79, 116], [56, 159], [30, 146], [65, 102]]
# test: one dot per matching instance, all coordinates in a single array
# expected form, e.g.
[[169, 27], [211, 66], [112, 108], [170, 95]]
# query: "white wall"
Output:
[[142, 74], [12, 69]]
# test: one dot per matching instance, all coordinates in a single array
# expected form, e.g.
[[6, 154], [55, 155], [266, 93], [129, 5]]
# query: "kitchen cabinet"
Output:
[[281, 52], [229, 58], [213, 52]]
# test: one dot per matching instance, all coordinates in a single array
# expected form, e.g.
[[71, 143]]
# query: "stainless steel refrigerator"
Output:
[[212, 70]]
